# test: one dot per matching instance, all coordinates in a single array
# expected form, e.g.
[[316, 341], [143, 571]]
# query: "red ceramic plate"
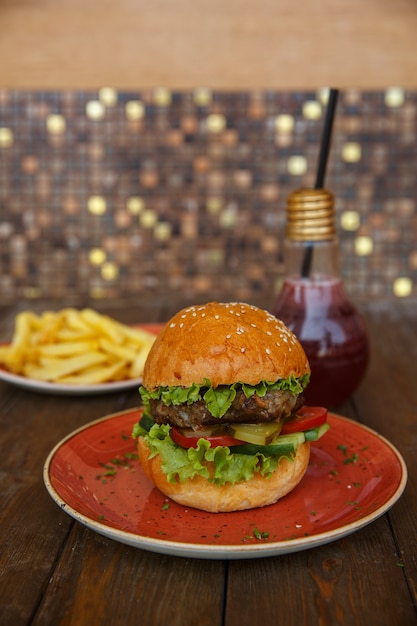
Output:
[[74, 390], [354, 477]]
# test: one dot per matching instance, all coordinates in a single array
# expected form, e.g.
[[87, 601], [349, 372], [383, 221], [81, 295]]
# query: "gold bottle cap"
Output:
[[311, 215]]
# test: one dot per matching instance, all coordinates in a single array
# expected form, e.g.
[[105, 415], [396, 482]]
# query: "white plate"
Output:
[[74, 390], [70, 390]]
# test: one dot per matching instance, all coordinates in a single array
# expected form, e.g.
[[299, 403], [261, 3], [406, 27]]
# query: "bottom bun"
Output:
[[256, 492]]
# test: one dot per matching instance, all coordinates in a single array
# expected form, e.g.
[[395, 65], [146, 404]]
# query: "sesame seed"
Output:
[[228, 336], [268, 351], [216, 317], [182, 325], [172, 325], [242, 349]]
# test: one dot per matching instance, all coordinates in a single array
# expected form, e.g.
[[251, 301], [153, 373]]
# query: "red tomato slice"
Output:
[[221, 439], [307, 417]]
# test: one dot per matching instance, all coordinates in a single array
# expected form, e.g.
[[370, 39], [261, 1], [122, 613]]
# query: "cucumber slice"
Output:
[[315, 433], [280, 446], [146, 422], [268, 450], [296, 439]]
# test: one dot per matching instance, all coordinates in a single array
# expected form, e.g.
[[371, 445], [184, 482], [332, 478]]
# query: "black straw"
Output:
[[307, 260], [326, 137], [321, 169]]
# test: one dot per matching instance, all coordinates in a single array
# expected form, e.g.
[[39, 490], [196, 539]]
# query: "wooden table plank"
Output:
[[332, 584], [33, 528], [31, 539], [110, 583], [391, 409]]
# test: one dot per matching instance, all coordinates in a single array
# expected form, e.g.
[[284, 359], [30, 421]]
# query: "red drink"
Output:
[[331, 332]]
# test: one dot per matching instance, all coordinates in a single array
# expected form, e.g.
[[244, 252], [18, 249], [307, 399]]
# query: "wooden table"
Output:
[[56, 571]]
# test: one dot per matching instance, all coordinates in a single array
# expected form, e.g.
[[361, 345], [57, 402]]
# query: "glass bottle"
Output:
[[313, 302]]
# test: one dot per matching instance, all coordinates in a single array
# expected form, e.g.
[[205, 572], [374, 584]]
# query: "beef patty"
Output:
[[275, 405]]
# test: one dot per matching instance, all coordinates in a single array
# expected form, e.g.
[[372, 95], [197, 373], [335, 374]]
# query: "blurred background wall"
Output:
[[181, 193]]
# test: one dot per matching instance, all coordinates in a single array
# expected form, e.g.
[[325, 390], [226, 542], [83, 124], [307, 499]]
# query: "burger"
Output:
[[224, 426]]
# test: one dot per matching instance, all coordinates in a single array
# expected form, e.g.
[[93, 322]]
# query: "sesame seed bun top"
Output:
[[225, 343]]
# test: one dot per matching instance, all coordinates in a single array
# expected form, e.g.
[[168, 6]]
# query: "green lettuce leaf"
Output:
[[179, 464], [219, 399]]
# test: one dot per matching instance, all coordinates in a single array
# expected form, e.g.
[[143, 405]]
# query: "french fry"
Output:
[[121, 352], [103, 324], [75, 347], [54, 369], [70, 335], [20, 340], [67, 348], [95, 375]]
